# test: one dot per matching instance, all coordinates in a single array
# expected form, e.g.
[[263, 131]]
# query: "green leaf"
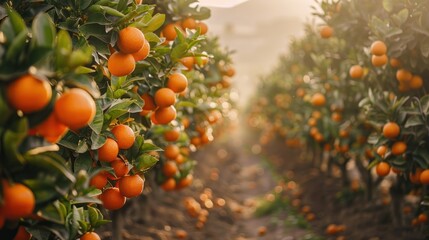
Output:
[[149, 147], [63, 48], [49, 164], [152, 37], [97, 123], [43, 30], [12, 138], [16, 21], [145, 162], [94, 215], [16, 47], [70, 140], [401, 17], [83, 162], [154, 24], [53, 213], [413, 121], [388, 5], [179, 51], [97, 140]]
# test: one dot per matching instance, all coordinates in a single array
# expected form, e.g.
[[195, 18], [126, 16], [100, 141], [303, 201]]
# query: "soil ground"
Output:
[[232, 178]]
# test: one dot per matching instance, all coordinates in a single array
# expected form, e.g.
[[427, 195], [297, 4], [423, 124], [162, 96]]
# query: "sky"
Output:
[[259, 31]]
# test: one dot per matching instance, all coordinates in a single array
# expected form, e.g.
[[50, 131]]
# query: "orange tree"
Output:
[[88, 90], [358, 91]]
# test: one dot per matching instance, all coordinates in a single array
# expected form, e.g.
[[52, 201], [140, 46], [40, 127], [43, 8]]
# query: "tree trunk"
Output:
[[117, 224]]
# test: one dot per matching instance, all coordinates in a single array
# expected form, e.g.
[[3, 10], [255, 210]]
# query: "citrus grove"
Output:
[[353, 92], [96, 96]]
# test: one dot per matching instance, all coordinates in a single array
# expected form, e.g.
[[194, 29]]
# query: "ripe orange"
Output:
[[169, 184], [331, 229], [422, 218], [143, 52], [189, 22], [75, 108], [165, 115], [424, 177], [171, 151], [185, 182], [138, 2], [356, 71], [416, 82], [181, 234], [186, 122], [51, 129], [177, 82], [90, 236], [378, 61], [169, 168], [326, 31], [318, 100], [230, 71], [22, 234], [180, 159], [203, 27], [109, 151], [415, 176], [300, 92], [403, 75], [121, 64], [149, 103], [381, 151], [383, 169], [336, 117], [28, 94], [124, 136], [391, 130], [378, 48], [172, 135], [169, 32], [196, 141], [99, 180], [188, 62], [131, 186], [165, 97], [112, 199], [395, 63], [120, 167], [399, 148], [18, 201], [130, 40]]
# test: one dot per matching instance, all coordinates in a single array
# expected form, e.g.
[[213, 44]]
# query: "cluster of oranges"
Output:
[[133, 47], [169, 30], [125, 185], [73, 110]]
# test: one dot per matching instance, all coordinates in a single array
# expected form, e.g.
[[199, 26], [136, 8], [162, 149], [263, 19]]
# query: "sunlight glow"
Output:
[[221, 3]]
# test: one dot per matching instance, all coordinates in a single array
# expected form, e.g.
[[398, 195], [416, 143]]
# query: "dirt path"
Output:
[[229, 183]]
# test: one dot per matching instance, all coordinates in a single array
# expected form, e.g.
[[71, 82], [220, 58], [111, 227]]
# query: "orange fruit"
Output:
[[138, 2], [142, 53], [99, 180], [112, 199], [203, 27], [109, 151], [422, 218], [189, 23], [382, 169], [124, 136], [169, 184], [403, 75], [336, 117], [90, 236], [331, 229], [180, 159], [131, 186], [399, 148], [22, 234], [424, 177], [172, 135], [300, 92], [165, 115], [196, 141], [121, 64], [185, 182], [181, 234], [51, 129], [326, 31], [188, 62], [149, 103], [169, 32], [356, 71], [177, 82], [378, 61], [75, 108], [120, 167], [395, 63], [169, 168], [130, 40], [312, 122], [165, 97], [28, 94], [262, 230], [378, 48], [18, 201], [391, 130], [416, 82], [415, 176], [171, 151], [230, 71], [318, 100], [381, 151]]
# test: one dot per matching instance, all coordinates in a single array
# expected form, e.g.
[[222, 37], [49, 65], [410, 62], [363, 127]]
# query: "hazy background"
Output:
[[259, 31]]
